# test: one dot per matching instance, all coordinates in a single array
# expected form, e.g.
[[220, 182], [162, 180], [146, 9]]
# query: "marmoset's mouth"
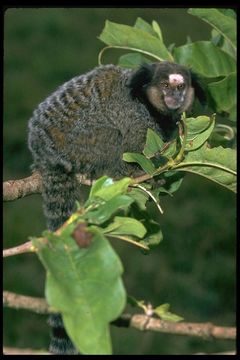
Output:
[[172, 103]]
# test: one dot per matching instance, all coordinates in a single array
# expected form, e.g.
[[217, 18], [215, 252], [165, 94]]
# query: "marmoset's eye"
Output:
[[180, 86]]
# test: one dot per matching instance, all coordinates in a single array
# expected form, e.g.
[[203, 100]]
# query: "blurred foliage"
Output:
[[193, 269]]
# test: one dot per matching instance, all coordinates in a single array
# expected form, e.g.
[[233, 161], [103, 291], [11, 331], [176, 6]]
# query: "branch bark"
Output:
[[16, 301], [20, 249], [17, 351], [136, 321], [15, 189]]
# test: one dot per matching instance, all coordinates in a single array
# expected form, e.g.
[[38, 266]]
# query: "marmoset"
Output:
[[87, 124]]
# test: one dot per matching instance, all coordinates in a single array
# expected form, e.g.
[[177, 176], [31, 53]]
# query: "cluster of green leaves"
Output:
[[83, 271], [214, 60], [217, 164], [161, 311]]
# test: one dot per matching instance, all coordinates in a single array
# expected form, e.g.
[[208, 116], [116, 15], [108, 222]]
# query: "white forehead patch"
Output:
[[175, 79]]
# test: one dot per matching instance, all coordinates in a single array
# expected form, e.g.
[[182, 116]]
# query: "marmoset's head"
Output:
[[167, 86]]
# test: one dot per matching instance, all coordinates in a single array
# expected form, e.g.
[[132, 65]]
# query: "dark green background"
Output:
[[193, 269]]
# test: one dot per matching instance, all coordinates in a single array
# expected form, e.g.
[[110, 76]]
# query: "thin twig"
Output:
[[17, 351], [26, 247], [15, 189], [206, 330], [21, 249], [127, 239], [151, 196], [16, 301], [136, 321]]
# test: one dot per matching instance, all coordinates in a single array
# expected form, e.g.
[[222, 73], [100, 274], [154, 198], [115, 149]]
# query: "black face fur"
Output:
[[168, 88]]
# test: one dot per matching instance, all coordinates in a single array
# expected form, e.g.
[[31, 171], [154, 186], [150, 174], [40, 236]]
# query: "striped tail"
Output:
[[59, 202]]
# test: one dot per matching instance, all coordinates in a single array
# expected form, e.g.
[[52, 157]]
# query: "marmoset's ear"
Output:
[[140, 78], [199, 88]]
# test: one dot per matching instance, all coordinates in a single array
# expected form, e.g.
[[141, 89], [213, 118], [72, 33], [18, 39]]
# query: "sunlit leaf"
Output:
[[145, 26], [100, 183], [164, 314], [134, 39], [157, 29], [105, 211], [105, 188], [85, 286]]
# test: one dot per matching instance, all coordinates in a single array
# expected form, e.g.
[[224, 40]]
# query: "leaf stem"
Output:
[[128, 240], [150, 195], [204, 164], [171, 164], [183, 130], [126, 48]]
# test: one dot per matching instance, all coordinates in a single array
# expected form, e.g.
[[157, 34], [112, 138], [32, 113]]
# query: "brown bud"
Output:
[[82, 236]]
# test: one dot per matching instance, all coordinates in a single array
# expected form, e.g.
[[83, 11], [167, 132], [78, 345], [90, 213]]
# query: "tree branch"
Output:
[[17, 351], [137, 321], [16, 301], [20, 249], [15, 189], [206, 330]]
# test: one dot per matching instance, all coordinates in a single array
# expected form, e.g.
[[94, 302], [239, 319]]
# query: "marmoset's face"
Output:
[[171, 88]]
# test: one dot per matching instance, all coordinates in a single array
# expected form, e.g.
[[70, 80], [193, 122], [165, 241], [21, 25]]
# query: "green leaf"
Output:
[[218, 40], [216, 164], [139, 197], [105, 188], [100, 183], [228, 12], [84, 284], [224, 24], [106, 210], [164, 314], [223, 135], [195, 140], [126, 226], [197, 125], [136, 39], [140, 159], [154, 233], [173, 183], [205, 58], [224, 93], [145, 26], [132, 60], [157, 29], [153, 144], [170, 149]]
